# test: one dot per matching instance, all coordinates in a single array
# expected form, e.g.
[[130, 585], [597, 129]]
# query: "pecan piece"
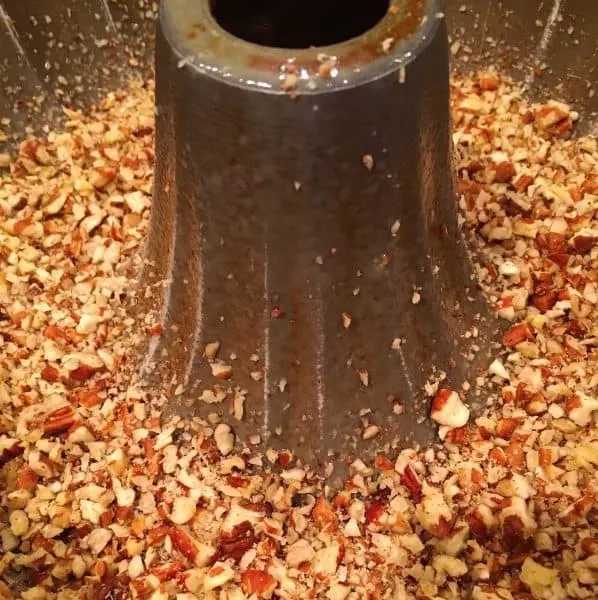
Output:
[[552, 243], [504, 172], [523, 182], [374, 512], [50, 374], [583, 244], [59, 421], [506, 427], [411, 481], [167, 571], [323, 515], [260, 583], [517, 334], [545, 300], [9, 449], [84, 372], [237, 542]]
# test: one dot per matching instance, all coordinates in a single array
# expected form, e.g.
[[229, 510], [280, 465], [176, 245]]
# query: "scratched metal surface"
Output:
[[72, 51]]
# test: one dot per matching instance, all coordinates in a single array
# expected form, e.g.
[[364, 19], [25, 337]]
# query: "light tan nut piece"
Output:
[[19, 522], [448, 409], [224, 438], [183, 510], [220, 574]]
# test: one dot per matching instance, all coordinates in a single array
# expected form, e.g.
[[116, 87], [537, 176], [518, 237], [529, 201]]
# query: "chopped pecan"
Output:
[[50, 374], [157, 534], [53, 332], [583, 244], [506, 427], [517, 334], [374, 512], [512, 208], [552, 243], [123, 514], [154, 329], [513, 531], [504, 172], [183, 542], [589, 546], [237, 542], [26, 479], [323, 515], [498, 456], [576, 330], [477, 526], [167, 571], [523, 182], [383, 464], [411, 481], [87, 398], [260, 583], [60, 420], [544, 301], [488, 81], [515, 455], [84, 372], [9, 449]]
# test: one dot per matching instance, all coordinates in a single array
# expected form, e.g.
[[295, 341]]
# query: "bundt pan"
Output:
[[304, 211]]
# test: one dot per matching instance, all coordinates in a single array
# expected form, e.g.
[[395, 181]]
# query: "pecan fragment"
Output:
[[517, 334], [504, 172], [323, 515], [237, 542], [9, 449], [183, 542], [50, 374], [84, 372], [167, 571], [260, 583], [411, 481], [59, 421]]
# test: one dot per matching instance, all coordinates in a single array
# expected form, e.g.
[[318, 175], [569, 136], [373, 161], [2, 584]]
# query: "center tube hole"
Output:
[[297, 24]]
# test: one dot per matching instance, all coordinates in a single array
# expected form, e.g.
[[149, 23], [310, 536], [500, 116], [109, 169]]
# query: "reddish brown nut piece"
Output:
[[506, 427], [154, 330], [60, 420], [374, 512], [488, 82], [50, 374], [260, 583], [9, 449], [504, 172], [517, 334], [583, 244], [383, 464], [323, 515], [235, 543], [167, 571], [523, 182], [26, 479], [552, 243], [411, 481], [545, 300], [84, 372], [183, 542]]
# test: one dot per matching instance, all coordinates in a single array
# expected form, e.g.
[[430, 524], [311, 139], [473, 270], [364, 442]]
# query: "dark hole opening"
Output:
[[297, 23]]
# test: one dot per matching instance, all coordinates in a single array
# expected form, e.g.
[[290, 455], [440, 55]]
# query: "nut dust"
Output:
[[99, 501]]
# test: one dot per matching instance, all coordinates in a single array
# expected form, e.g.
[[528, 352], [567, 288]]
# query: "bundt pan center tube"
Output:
[[305, 219]]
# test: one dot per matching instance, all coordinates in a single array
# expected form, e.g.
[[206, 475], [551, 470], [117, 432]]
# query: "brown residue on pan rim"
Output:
[[398, 25]]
